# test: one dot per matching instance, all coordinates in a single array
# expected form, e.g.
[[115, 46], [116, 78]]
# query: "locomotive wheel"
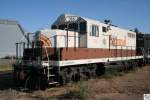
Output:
[[84, 74], [77, 73], [35, 83], [92, 70], [133, 65], [19, 78], [100, 70], [32, 83], [62, 79], [15, 78], [65, 76], [76, 77], [126, 66]]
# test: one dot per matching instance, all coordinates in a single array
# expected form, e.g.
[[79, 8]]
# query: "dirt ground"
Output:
[[126, 86]]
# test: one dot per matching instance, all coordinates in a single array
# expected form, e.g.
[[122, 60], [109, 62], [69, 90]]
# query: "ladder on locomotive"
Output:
[[51, 74]]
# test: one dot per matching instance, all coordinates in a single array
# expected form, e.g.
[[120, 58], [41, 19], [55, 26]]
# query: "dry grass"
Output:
[[6, 67], [116, 86], [129, 86]]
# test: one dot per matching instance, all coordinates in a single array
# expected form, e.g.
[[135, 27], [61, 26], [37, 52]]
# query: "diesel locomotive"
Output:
[[77, 48]]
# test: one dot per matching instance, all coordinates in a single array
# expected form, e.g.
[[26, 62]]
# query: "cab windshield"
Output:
[[72, 27]]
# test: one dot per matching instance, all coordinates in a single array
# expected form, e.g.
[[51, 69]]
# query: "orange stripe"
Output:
[[45, 40]]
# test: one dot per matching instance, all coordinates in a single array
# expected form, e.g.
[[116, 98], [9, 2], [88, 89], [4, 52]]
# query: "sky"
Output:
[[37, 14]]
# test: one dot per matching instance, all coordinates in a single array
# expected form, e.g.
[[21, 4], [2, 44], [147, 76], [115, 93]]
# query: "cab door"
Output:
[[83, 34]]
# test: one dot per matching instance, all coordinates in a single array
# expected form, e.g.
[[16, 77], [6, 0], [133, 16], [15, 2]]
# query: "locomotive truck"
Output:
[[77, 48]]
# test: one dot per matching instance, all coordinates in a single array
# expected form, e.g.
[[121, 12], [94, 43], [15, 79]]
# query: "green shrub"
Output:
[[81, 92]]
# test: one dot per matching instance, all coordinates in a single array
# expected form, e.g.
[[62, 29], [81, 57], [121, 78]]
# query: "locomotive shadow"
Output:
[[6, 80]]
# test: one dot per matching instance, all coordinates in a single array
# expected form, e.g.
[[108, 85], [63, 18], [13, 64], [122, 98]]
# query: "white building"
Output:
[[9, 35]]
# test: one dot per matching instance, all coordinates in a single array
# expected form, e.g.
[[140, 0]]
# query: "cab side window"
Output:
[[94, 30], [104, 29]]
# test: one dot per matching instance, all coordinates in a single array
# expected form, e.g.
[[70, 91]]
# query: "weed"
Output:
[[80, 93], [112, 74], [105, 98]]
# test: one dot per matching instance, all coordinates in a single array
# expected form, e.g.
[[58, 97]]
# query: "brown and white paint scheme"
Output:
[[114, 45]]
